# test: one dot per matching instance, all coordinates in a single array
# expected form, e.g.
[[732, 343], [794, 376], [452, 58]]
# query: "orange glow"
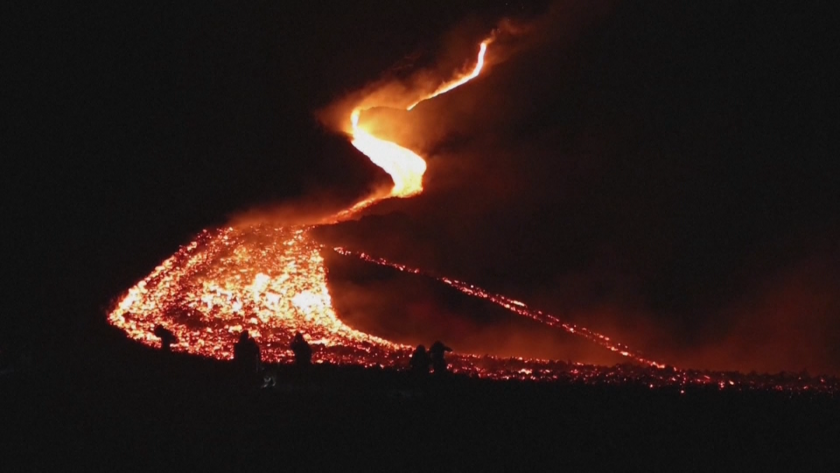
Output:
[[516, 307], [272, 281], [404, 166], [269, 281]]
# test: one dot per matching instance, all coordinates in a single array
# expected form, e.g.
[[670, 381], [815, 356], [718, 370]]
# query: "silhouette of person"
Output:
[[254, 355], [420, 361], [436, 352], [167, 338], [246, 353], [239, 348], [302, 350]]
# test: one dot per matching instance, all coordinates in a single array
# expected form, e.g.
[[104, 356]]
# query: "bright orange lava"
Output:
[[269, 281], [404, 166], [516, 307], [446, 87], [272, 281]]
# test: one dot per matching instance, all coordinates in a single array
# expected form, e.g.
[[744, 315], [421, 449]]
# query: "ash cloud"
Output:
[[658, 172]]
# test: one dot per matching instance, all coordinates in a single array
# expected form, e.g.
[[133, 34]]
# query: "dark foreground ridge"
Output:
[[126, 407]]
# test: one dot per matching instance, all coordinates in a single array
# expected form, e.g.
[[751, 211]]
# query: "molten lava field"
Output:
[[273, 283], [270, 279]]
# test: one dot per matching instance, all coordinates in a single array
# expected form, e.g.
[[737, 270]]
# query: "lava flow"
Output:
[[404, 166], [514, 306], [269, 281], [447, 86], [272, 282]]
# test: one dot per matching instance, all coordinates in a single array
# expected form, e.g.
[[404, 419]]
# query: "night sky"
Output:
[[664, 171]]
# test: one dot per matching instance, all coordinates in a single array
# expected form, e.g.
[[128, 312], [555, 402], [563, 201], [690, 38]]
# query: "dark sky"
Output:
[[667, 171]]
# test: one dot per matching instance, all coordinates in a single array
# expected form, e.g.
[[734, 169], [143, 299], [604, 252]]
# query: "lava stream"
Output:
[[405, 167], [270, 281], [514, 306], [446, 87]]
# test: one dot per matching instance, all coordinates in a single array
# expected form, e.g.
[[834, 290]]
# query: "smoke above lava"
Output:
[[594, 175]]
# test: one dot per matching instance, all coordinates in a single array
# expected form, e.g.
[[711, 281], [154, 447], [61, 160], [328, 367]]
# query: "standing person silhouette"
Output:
[[246, 353], [302, 350], [420, 361], [437, 352], [167, 338], [254, 355]]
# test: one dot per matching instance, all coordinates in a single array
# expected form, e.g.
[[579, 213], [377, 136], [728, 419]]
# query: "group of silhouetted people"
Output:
[[421, 360], [247, 356], [246, 352]]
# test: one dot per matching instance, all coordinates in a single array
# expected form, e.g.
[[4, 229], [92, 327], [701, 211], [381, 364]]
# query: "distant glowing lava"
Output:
[[272, 281], [447, 86], [516, 307]]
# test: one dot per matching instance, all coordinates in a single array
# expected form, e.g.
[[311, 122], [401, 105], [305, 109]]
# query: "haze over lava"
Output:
[[598, 175], [541, 184]]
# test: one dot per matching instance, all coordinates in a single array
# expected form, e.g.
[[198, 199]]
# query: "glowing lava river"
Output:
[[272, 282]]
